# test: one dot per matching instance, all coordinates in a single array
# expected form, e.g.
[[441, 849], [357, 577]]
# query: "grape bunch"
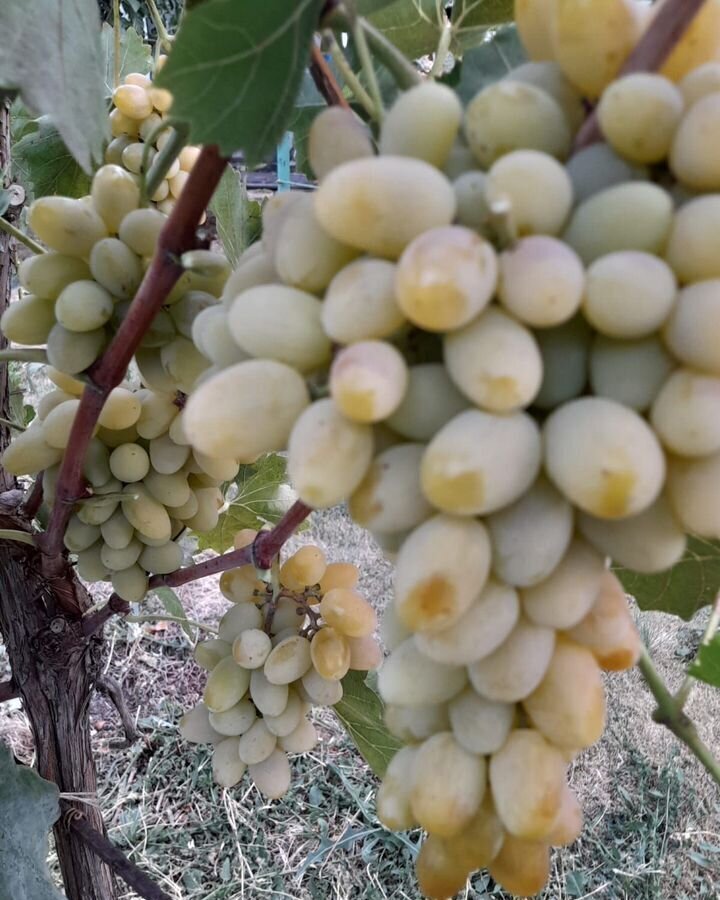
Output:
[[145, 485], [504, 358], [140, 117], [279, 651]]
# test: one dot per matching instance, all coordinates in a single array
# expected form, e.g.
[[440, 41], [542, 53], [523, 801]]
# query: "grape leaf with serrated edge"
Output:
[[135, 56], [706, 667], [473, 19], [44, 165], [235, 73], [361, 713], [237, 217], [490, 62]]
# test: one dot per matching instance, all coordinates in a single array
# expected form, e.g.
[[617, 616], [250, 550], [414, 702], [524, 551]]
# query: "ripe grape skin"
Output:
[[47, 274], [693, 488], [693, 329], [71, 351], [472, 207], [534, 20], [29, 320], [368, 380], [515, 669], [692, 159], [66, 225], [597, 167], [629, 372], [480, 726], [430, 401], [116, 267], [698, 44], [115, 193], [548, 76], [422, 123], [686, 413], [409, 678], [84, 306], [360, 302], [693, 249], [336, 136], [700, 82]]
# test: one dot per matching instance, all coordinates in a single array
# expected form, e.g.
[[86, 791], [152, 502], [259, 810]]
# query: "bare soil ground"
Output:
[[652, 815]]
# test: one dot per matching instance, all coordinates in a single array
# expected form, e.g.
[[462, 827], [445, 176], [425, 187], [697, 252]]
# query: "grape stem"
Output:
[[177, 236], [164, 38], [10, 229], [350, 78], [363, 51], [33, 500], [152, 178], [161, 617], [669, 712], [117, 49], [325, 80], [443, 48], [672, 21], [683, 694], [23, 354]]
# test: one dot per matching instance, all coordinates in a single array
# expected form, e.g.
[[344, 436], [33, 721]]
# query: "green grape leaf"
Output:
[[707, 665], [20, 120], [28, 808], [361, 712], [683, 590], [263, 498], [368, 7], [44, 165], [50, 51], [235, 73], [490, 62], [472, 21], [173, 607], [237, 217], [412, 25], [135, 56]]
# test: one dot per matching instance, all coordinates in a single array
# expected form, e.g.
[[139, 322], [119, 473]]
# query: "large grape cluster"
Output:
[[140, 115], [505, 359], [280, 650]]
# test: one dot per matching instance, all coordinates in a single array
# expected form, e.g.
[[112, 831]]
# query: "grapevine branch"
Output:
[[34, 497], [109, 853], [261, 553], [177, 236], [324, 79], [671, 22]]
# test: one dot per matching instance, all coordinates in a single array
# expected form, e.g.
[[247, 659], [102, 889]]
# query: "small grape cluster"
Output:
[[506, 362], [280, 650], [139, 117], [144, 484]]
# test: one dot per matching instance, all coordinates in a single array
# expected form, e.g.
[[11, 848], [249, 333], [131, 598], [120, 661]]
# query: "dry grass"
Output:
[[652, 815]]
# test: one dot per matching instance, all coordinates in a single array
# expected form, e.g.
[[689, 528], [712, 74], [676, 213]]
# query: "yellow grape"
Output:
[[693, 490], [368, 380], [700, 82], [392, 801], [157, 412], [360, 302], [122, 125], [166, 456], [121, 410], [439, 872], [115, 194], [692, 330], [140, 230], [415, 723], [116, 267], [521, 867], [549, 77], [65, 382], [336, 136], [515, 669], [304, 568], [348, 613], [698, 44], [66, 225], [58, 423], [29, 320], [480, 726], [568, 825], [685, 413], [29, 453], [409, 678], [339, 575], [84, 306], [534, 20], [114, 150], [365, 653], [330, 654], [46, 274], [422, 123], [288, 660], [693, 249], [133, 101]]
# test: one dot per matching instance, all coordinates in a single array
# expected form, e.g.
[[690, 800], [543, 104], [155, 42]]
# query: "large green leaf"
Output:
[[412, 25], [236, 69], [50, 51], [707, 665], [28, 809], [683, 590], [490, 62], [237, 217], [135, 56], [367, 7], [44, 165], [472, 19], [361, 712], [263, 497]]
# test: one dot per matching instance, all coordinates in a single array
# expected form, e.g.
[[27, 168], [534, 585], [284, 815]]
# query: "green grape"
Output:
[[84, 306], [328, 455], [693, 249], [515, 669], [288, 660], [289, 719], [129, 462], [495, 362], [66, 225], [209, 503], [79, 535], [238, 619], [257, 743], [121, 410], [389, 498], [146, 515], [440, 568], [430, 401], [306, 256], [537, 187], [96, 465], [479, 725], [195, 726], [272, 776], [630, 372], [132, 157], [89, 565], [170, 490], [46, 274], [121, 124], [162, 560], [152, 373], [133, 101], [188, 510], [633, 216], [219, 469], [58, 423], [157, 412], [183, 362], [212, 337], [652, 541], [177, 182], [186, 310], [393, 796], [239, 718], [700, 82], [251, 648], [480, 462], [603, 457], [448, 785], [140, 230], [511, 115], [321, 691], [226, 685], [29, 320], [531, 536], [336, 136], [541, 281], [691, 331], [461, 159], [257, 270], [415, 723], [445, 277], [115, 193], [166, 456], [270, 699], [116, 531], [301, 343], [568, 706], [114, 150], [422, 123], [368, 380], [380, 204], [639, 114], [548, 76], [360, 302], [97, 510], [566, 596], [72, 351], [48, 402], [685, 414], [481, 629], [564, 351], [114, 437], [115, 560], [274, 211], [629, 294], [409, 678], [569, 823], [473, 210], [597, 167], [116, 268], [227, 767], [534, 20], [692, 488]]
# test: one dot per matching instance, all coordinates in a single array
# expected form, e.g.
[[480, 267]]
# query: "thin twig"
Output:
[[163, 617], [8, 691], [368, 67], [113, 857], [443, 48], [33, 499], [10, 229], [671, 22], [682, 695], [670, 714], [325, 80], [116, 43], [349, 77], [23, 354], [403, 71], [113, 690], [177, 236], [14, 425], [164, 38], [12, 534]]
